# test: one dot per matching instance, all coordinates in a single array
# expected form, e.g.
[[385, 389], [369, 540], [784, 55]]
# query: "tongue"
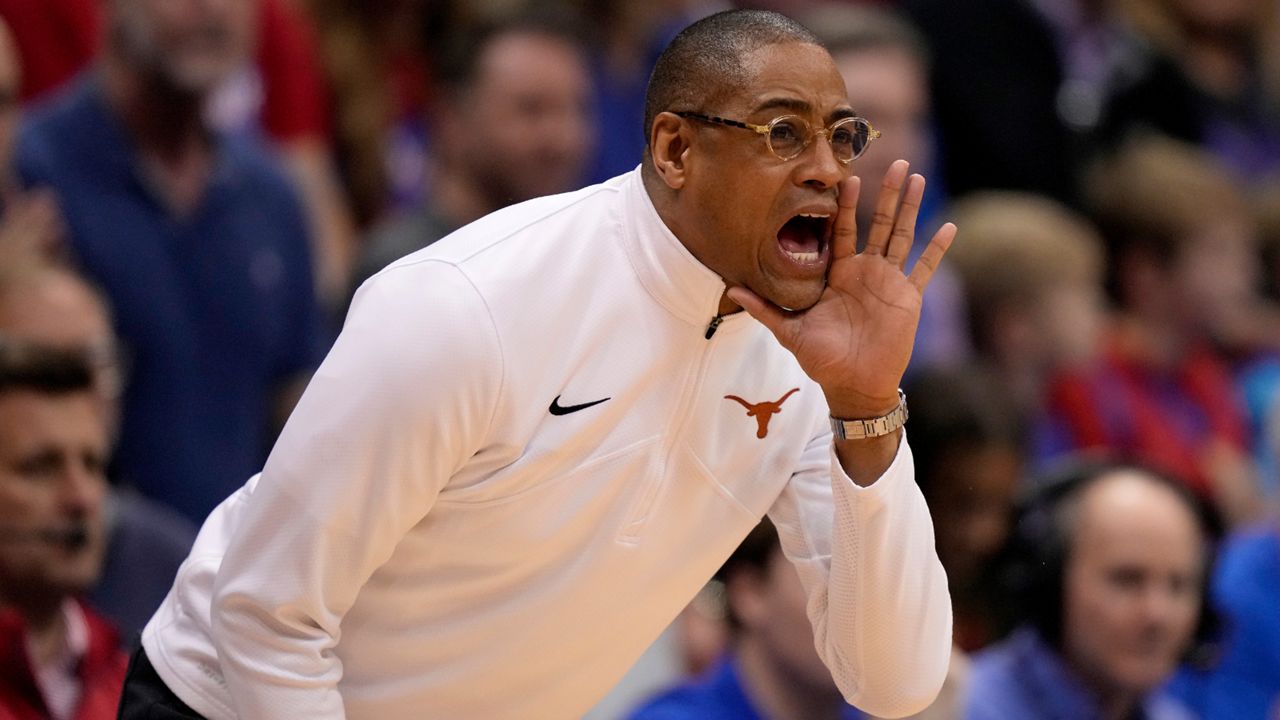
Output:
[[796, 237]]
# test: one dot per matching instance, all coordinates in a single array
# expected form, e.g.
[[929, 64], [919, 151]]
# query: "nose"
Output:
[[82, 488], [1164, 605], [819, 167]]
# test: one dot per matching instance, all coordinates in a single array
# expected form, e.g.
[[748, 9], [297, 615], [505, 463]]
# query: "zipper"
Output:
[[715, 323], [636, 519]]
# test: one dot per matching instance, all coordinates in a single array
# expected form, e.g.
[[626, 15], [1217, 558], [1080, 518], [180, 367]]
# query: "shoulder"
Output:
[[1249, 561], [554, 225], [994, 687], [51, 128]]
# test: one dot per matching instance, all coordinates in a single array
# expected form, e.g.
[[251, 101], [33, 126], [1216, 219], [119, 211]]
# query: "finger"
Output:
[[932, 256], [904, 228], [771, 316], [886, 207], [844, 234]]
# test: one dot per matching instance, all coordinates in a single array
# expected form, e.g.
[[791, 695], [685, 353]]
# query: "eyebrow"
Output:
[[801, 107]]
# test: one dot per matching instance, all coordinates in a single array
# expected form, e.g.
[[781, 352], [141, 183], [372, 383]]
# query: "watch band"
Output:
[[871, 427]]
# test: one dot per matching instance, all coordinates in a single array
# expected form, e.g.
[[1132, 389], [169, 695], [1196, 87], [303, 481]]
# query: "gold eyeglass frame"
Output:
[[767, 131]]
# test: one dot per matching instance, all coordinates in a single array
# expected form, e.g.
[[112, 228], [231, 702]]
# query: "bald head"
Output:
[[1133, 581], [705, 62], [52, 306]]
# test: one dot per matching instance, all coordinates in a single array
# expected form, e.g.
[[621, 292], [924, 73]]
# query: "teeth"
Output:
[[814, 215], [803, 257]]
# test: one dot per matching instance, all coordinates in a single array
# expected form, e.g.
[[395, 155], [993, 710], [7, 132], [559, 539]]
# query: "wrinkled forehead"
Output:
[[792, 78]]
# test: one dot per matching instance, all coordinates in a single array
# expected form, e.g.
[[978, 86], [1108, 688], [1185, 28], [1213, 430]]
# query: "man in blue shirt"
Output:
[[1116, 600], [196, 239]]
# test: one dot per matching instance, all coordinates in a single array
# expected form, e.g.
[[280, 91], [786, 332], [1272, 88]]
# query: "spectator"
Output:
[[196, 239], [968, 443], [1245, 682], [1114, 566], [146, 541], [886, 66], [281, 93], [512, 123], [1033, 272], [1183, 266], [770, 668], [60, 659]]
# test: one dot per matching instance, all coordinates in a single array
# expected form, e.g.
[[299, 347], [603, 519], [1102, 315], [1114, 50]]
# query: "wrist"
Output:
[[865, 427], [856, 406]]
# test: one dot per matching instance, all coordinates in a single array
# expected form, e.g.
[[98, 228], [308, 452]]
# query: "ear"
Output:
[[669, 145]]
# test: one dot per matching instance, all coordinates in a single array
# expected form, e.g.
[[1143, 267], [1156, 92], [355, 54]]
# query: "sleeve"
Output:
[[877, 593], [403, 400]]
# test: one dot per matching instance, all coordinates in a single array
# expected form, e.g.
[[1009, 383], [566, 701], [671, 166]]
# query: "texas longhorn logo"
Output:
[[762, 412]]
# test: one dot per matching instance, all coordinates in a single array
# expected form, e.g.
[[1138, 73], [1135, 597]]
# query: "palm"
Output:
[[856, 340]]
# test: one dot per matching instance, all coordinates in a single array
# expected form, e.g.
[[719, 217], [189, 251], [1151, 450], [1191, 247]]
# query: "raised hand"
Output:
[[856, 340]]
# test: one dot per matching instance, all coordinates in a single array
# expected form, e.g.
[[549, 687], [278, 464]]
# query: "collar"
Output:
[[725, 682], [75, 643], [106, 142], [1047, 675], [669, 272]]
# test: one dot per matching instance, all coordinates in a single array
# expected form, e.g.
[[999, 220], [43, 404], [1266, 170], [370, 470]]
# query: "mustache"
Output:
[[72, 537]]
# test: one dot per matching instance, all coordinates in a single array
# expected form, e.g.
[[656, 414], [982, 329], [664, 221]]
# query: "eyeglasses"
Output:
[[789, 135]]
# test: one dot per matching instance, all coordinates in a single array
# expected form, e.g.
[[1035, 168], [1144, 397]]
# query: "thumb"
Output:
[[778, 321]]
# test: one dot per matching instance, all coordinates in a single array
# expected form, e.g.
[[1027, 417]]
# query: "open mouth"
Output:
[[805, 238]]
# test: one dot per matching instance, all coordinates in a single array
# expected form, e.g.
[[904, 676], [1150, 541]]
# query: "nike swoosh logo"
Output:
[[558, 409]]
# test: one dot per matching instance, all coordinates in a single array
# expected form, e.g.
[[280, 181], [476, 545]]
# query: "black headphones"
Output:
[[1034, 561]]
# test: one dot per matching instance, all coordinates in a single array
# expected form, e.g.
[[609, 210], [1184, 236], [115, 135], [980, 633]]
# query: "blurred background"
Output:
[[191, 191]]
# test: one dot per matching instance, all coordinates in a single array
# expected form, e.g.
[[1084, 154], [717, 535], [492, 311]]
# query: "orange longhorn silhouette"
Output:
[[762, 412]]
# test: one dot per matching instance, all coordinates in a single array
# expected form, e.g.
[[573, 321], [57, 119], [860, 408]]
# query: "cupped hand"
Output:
[[856, 340]]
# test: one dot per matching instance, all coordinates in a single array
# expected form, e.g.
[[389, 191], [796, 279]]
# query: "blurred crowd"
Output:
[[191, 191]]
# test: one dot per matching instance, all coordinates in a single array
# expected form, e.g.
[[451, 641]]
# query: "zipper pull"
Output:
[[715, 323]]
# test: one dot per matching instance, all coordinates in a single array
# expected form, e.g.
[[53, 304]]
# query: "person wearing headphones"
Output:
[[1113, 569]]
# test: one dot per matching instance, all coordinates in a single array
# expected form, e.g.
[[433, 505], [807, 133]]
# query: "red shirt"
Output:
[[101, 671]]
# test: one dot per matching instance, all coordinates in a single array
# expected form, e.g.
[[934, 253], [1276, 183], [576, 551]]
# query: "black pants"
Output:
[[146, 697]]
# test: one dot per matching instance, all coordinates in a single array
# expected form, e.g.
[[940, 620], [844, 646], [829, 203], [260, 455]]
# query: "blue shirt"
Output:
[[214, 310], [1245, 683], [716, 695], [1023, 678]]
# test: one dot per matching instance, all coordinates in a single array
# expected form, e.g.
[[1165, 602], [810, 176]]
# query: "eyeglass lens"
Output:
[[789, 136]]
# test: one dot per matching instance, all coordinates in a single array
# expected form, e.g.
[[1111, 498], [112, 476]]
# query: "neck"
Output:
[[167, 128], [1113, 703], [160, 119], [459, 198], [45, 623], [783, 694]]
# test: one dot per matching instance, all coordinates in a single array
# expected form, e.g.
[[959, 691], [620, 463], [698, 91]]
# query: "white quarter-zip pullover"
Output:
[[517, 464]]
